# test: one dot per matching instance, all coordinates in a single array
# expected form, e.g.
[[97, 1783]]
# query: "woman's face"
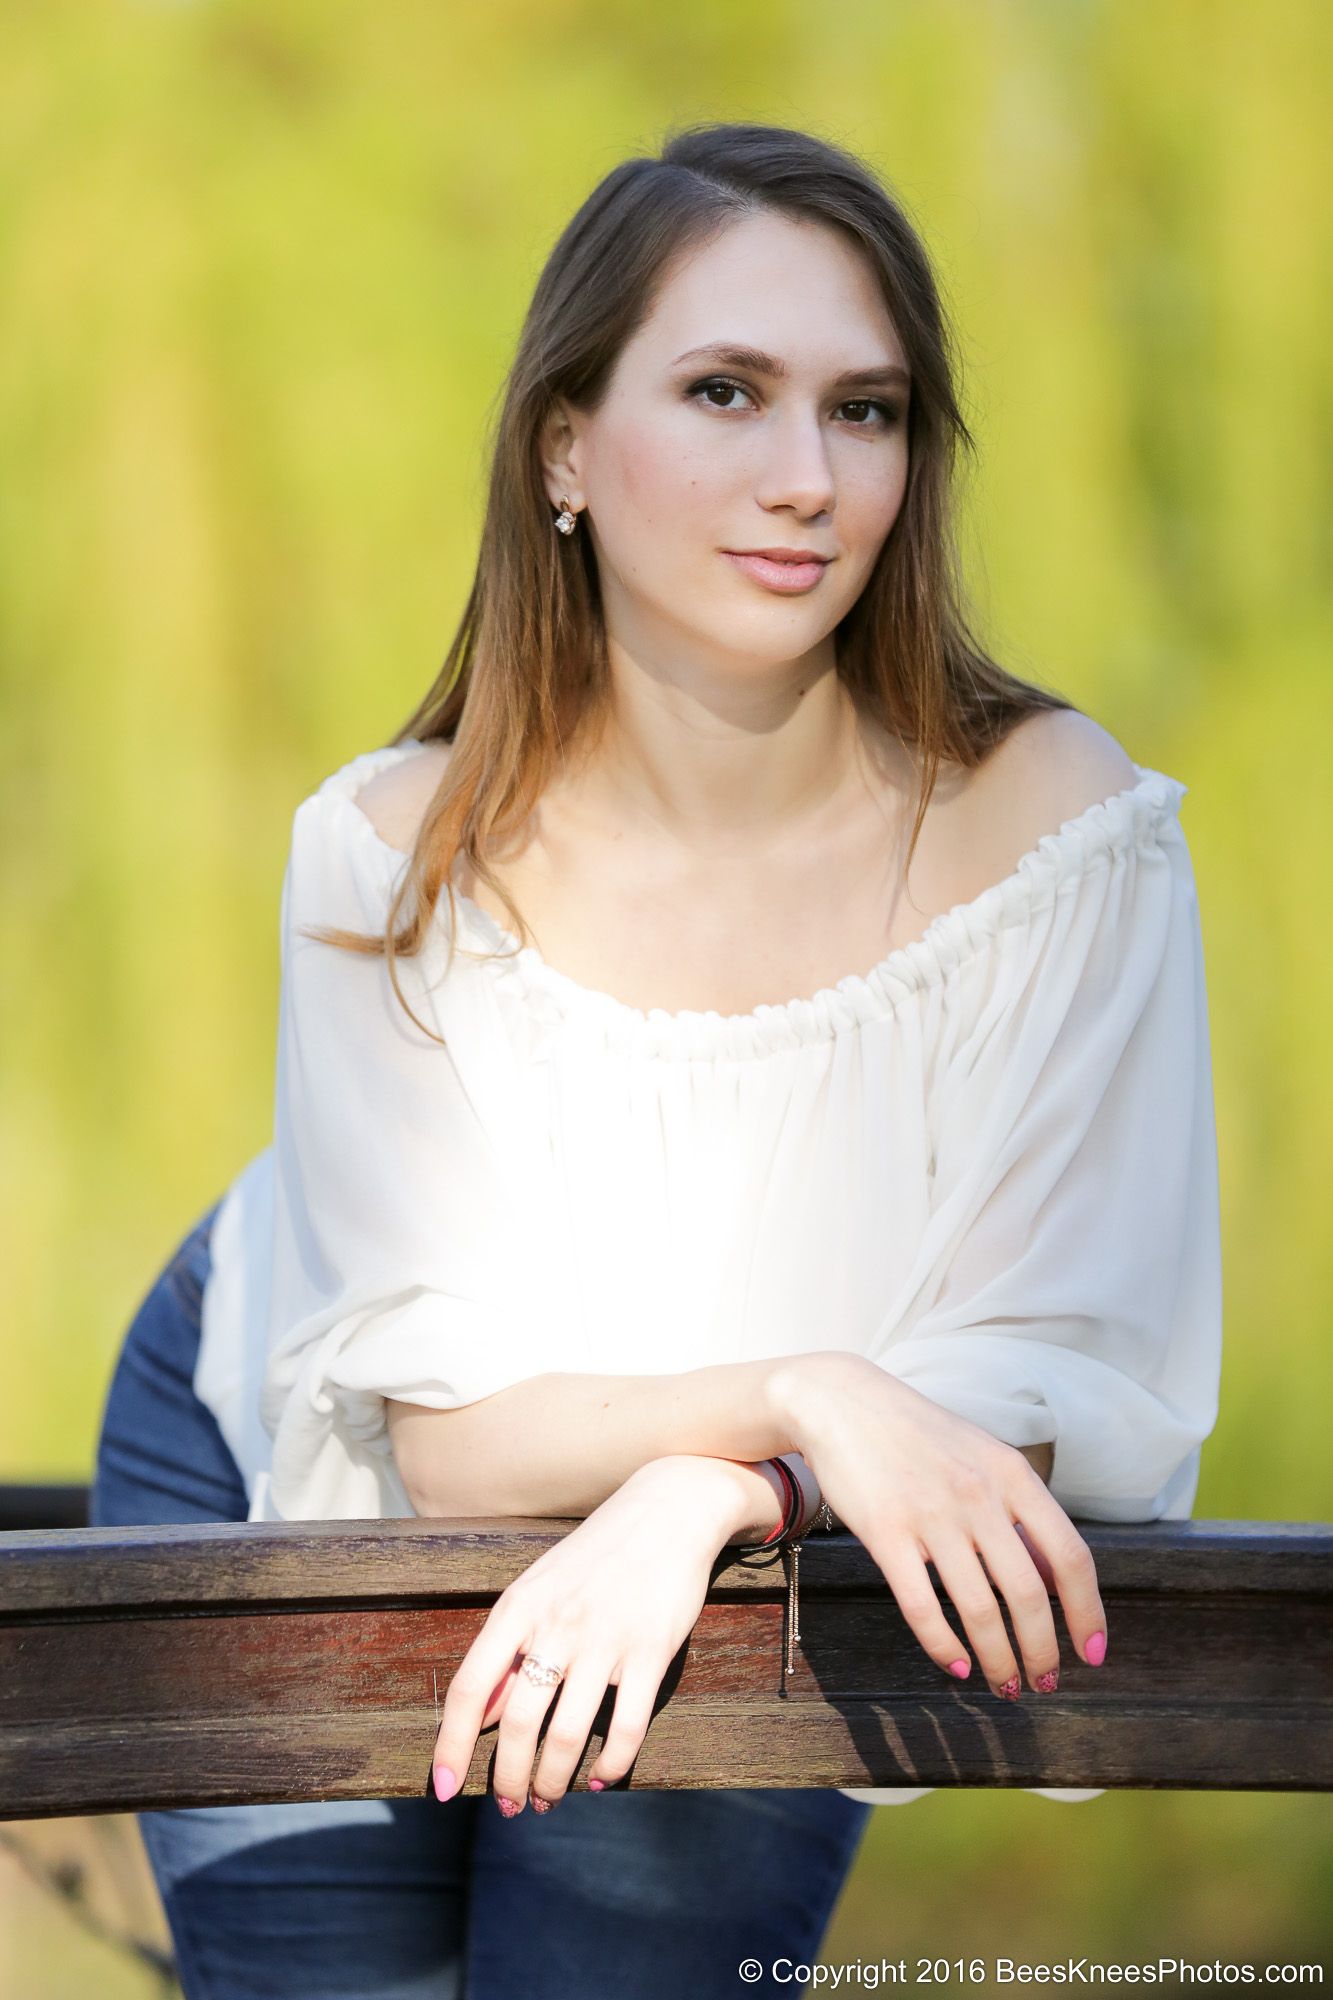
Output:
[[688, 458]]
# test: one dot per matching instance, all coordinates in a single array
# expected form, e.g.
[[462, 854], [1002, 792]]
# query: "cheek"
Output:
[[656, 470], [869, 506]]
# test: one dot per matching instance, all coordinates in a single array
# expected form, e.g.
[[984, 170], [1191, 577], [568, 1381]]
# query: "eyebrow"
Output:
[[759, 363]]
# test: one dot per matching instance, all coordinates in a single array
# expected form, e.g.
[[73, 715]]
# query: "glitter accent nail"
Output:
[[1048, 1682], [507, 1806], [1011, 1688], [540, 1805]]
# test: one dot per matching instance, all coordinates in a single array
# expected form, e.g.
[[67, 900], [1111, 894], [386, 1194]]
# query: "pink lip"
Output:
[[788, 578]]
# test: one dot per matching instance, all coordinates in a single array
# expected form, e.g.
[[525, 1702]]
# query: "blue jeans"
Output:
[[654, 1894]]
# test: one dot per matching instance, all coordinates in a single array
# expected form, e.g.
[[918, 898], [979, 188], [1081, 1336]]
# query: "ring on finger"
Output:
[[542, 1672]]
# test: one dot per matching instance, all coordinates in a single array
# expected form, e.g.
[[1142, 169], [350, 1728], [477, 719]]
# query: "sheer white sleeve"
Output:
[[389, 1207], [1071, 1291]]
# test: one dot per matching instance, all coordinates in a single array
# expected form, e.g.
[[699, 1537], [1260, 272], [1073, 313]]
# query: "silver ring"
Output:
[[542, 1673]]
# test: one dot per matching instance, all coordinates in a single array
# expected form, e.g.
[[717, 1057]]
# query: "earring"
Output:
[[565, 521]]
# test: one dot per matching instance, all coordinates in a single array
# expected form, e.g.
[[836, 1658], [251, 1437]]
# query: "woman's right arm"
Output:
[[560, 1444]]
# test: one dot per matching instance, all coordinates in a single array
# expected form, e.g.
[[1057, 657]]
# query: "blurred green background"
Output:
[[263, 268]]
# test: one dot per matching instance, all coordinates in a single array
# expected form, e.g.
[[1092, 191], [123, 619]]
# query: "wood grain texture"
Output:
[[225, 1662]]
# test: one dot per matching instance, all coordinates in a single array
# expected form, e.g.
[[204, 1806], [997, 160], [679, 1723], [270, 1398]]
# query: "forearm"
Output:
[[561, 1444]]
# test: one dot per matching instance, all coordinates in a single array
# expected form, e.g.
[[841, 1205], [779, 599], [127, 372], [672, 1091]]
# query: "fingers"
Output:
[[571, 1707], [529, 1772], [959, 1567], [570, 1724], [905, 1573], [495, 1707], [1015, 1576], [999, 1562], [489, 1665], [1073, 1572], [640, 1683], [567, 1733], [490, 1679], [1038, 1555]]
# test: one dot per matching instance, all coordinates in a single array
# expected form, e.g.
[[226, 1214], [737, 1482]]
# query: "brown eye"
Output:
[[717, 382], [889, 411]]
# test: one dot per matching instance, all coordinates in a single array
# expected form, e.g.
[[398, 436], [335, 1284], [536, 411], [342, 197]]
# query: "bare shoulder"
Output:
[[396, 798], [1061, 762], [1053, 766]]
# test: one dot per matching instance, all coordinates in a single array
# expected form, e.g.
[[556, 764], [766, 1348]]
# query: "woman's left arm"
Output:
[[1069, 1289]]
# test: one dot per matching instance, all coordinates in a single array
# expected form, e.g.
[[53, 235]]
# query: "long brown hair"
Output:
[[526, 678]]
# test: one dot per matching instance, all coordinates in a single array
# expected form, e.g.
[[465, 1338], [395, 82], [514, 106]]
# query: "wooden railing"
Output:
[[229, 1662]]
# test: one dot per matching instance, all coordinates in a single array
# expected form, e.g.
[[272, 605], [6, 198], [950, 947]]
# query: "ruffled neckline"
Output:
[[1137, 814]]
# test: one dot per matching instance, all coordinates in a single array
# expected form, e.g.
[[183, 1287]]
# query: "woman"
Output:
[[606, 1231]]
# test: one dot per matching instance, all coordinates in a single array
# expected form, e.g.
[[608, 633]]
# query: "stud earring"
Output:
[[565, 521]]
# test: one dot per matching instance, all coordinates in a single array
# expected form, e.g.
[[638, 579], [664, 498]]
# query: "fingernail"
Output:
[[962, 1668], [1010, 1688], [540, 1805], [1095, 1650], [446, 1784], [1048, 1682], [507, 1806], [596, 1785]]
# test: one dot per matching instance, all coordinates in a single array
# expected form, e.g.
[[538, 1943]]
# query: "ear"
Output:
[[559, 449]]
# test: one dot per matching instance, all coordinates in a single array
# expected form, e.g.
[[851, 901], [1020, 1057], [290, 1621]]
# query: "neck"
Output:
[[726, 765]]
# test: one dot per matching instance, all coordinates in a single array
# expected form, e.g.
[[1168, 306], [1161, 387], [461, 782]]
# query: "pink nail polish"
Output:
[[1095, 1650], [446, 1784], [596, 1785], [1048, 1682], [540, 1805], [962, 1668], [507, 1806], [1011, 1688]]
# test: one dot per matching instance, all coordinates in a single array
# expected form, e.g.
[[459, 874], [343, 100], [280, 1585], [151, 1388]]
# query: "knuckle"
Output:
[[1062, 1539], [1029, 1595], [466, 1686], [1074, 1555], [918, 1606], [974, 1597], [623, 1743], [629, 1722]]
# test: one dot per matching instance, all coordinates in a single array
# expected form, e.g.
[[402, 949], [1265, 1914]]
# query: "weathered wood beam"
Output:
[[225, 1662]]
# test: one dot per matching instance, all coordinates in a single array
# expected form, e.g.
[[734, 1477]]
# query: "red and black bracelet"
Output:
[[784, 1546]]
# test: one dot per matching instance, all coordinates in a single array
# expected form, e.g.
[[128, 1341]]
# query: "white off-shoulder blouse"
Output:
[[989, 1164]]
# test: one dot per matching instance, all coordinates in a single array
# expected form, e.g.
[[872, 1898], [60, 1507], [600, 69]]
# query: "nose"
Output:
[[797, 470]]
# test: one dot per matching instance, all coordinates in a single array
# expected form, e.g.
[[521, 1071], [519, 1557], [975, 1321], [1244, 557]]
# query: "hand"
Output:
[[915, 1482], [594, 1605]]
